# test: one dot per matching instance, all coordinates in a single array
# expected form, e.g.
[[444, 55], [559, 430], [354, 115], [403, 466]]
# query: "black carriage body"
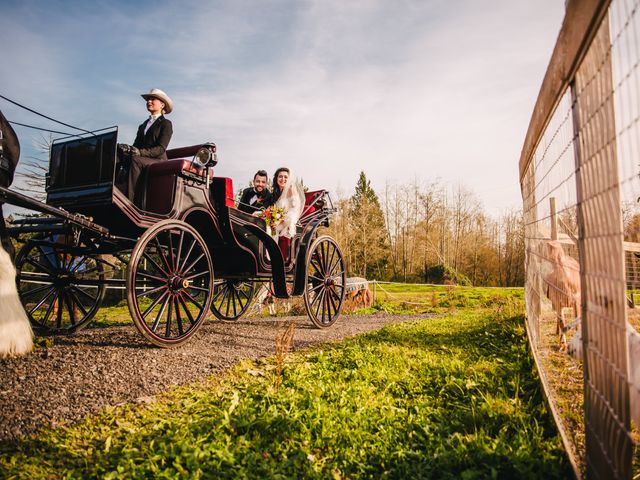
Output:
[[82, 179], [186, 247]]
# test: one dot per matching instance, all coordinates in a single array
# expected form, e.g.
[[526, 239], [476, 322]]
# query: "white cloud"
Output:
[[329, 88]]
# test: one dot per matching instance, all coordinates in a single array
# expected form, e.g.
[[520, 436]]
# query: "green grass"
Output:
[[415, 298], [451, 397]]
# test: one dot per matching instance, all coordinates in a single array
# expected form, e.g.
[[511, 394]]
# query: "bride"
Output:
[[288, 194]]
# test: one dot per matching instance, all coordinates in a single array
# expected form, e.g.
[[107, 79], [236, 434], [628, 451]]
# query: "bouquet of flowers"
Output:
[[273, 215]]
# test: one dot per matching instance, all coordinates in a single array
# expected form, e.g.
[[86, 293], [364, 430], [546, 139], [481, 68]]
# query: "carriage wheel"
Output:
[[169, 283], [231, 298], [326, 279], [60, 292]]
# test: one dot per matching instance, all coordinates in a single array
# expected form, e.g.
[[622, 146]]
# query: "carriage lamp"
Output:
[[206, 155]]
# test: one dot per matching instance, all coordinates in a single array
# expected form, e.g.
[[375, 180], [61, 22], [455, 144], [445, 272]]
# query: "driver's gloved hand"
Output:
[[124, 148]]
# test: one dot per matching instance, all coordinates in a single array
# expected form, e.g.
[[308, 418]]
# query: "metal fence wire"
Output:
[[580, 180]]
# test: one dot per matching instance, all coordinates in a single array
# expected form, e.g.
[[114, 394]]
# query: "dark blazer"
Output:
[[154, 143], [262, 201]]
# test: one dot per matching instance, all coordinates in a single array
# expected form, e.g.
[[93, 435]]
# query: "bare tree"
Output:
[[32, 171]]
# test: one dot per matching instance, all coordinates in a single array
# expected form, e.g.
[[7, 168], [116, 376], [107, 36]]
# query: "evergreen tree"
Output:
[[369, 243]]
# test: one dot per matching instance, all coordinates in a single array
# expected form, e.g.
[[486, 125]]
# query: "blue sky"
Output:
[[401, 89]]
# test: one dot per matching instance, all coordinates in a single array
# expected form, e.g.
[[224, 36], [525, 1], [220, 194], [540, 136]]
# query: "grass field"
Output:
[[447, 397], [403, 298]]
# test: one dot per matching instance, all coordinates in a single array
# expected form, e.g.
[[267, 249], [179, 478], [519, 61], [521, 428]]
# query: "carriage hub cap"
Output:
[[63, 280], [177, 283]]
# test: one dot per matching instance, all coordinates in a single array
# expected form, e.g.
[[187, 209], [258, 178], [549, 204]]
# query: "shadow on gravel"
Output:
[[120, 337]]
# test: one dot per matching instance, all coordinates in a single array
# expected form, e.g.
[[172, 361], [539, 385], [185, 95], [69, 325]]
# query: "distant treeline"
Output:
[[421, 233]]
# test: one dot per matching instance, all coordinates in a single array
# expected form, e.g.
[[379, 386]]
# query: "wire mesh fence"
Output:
[[580, 184]]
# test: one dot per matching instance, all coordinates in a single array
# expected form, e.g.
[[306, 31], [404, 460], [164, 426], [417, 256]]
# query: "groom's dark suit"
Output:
[[153, 148]]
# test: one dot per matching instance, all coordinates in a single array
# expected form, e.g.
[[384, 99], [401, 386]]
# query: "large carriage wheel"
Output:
[[231, 298], [169, 283], [60, 292], [326, 280]]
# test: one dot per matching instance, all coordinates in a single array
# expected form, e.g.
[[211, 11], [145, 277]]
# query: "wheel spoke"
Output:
[[169, 313], [161, 249], [178, 318], [330, 302], [193, 300], [244, 294], [84, 293], [320, 301], [224, 292], [154, 303], [37, 290], [196, 275], [76, 299], [193, 264], [230, 299], [155, 264], [186, 309], [200, 289], [52, 290], [235, 297], [314, 262], [179, 251], [76, 263], [156, 322], [186, 257], [330, 263], [39, 266], [70, 307], [60, 306], [149, 292], [151, 277], [172, 253]]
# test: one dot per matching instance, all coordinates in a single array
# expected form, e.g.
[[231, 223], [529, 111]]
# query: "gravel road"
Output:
[[80, 374]]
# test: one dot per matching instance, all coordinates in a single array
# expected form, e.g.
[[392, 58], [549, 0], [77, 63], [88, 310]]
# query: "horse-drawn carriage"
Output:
[[184, 250]]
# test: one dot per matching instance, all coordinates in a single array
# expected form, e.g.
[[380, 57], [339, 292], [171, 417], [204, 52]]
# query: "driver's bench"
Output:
[[161, 176]]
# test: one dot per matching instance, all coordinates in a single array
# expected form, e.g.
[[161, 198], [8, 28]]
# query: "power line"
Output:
[[44, 116], [40, 128]]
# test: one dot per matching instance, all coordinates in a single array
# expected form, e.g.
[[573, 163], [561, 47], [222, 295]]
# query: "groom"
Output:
[[254, 199]]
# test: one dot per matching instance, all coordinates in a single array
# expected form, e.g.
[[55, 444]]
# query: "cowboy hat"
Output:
[[160, 95]]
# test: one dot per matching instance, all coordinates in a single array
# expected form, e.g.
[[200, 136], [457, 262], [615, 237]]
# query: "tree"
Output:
[[33, 170], [369, 245]]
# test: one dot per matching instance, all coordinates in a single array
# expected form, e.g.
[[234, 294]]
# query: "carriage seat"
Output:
[[311, 202], [161, 177]]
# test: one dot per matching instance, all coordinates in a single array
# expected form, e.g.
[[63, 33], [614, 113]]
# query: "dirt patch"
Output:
[[79, 375]]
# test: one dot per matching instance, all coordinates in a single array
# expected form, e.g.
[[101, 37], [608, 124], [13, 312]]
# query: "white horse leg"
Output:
[[16, 337]]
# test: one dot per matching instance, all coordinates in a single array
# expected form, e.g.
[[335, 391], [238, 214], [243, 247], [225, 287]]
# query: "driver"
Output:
[[151, 141]]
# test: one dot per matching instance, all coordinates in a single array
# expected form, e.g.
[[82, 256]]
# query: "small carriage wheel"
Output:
[[169, 283], [60, 292], [326, 278], [231, 298]]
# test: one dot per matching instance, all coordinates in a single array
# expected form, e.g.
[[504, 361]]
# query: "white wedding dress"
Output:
[[292, 200]]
